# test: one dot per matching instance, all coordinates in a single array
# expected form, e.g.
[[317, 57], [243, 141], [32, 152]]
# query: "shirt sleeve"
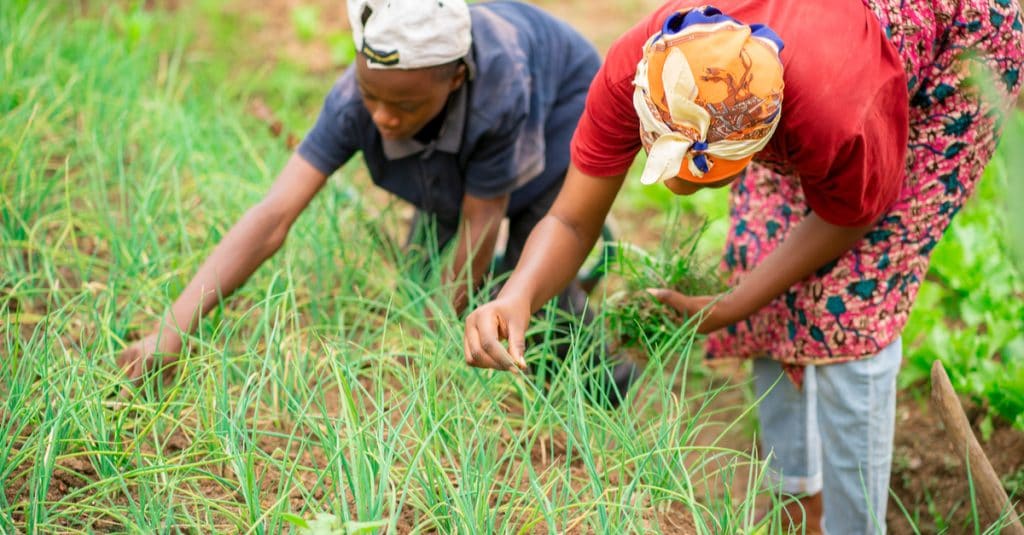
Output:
[[508, 156], [859, 151], [331, 142], [608, 135]]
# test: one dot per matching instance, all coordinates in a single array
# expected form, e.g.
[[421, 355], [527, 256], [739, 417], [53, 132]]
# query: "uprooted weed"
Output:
[[636, 319]]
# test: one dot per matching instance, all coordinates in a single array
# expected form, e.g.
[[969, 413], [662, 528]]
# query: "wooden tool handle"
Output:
[[992, 499]]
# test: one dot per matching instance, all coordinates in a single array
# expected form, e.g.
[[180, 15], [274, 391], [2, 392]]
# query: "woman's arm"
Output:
[[810, 245]]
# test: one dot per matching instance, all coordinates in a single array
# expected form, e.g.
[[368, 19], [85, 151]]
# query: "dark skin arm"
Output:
[[553, 254], [559, 244], [250, 242], [475, 241], [811, 244]]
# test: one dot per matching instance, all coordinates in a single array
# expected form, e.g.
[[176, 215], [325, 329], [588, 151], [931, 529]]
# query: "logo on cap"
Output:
[[376, 56]]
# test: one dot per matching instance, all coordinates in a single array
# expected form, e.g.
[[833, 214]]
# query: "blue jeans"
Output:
[[834, 436]]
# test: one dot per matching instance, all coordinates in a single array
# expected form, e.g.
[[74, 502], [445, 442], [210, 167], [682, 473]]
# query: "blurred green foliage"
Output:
[[970, 311], [306, 21]]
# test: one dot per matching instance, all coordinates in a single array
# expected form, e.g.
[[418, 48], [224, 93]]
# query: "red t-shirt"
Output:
[[844, 120]]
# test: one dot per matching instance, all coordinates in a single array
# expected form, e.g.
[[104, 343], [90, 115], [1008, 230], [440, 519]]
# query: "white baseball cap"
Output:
[[410, 34]]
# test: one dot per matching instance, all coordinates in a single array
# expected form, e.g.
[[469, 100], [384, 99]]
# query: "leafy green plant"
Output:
[[1014, 483], [970, 309]]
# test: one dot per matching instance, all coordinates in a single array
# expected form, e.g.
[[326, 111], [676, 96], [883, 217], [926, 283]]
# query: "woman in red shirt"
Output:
[[862, 153]]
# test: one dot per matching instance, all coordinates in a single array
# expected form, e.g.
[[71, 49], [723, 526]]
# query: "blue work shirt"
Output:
[[506, 130]]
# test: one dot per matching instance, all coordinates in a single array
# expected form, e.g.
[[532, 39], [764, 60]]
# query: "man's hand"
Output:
[[252, 240], [713, 311], [148, 355], [491, 324]]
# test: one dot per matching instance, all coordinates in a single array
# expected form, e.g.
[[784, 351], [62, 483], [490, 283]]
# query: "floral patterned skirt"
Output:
[[859, 303]]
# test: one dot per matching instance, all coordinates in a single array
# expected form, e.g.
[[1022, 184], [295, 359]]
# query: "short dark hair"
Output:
[[447, 71]]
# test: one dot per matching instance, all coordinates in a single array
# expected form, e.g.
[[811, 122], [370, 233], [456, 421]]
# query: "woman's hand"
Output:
[[810, 244], [491, 324], [713, 311], [550, 260]]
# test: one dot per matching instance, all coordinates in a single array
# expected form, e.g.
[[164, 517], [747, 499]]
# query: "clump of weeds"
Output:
[[635, 319]]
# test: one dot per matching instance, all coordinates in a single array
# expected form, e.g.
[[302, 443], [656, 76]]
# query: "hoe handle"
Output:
[[992, 499]]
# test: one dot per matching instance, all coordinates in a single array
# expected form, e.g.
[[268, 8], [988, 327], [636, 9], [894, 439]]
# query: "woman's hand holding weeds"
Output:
[[810, 245], [713, 311], [551, 258]]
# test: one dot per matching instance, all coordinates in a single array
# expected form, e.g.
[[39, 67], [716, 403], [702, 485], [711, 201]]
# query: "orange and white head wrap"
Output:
[[708, 93]]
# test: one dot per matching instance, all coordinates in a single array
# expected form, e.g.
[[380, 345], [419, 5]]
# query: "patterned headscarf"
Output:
[[708, 95]]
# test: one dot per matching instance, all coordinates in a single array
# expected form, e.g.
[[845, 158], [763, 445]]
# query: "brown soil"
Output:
[[275, 37], [602, 21]]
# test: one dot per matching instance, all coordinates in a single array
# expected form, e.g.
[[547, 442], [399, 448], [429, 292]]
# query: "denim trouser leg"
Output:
[[789, 428], [834, 436]]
